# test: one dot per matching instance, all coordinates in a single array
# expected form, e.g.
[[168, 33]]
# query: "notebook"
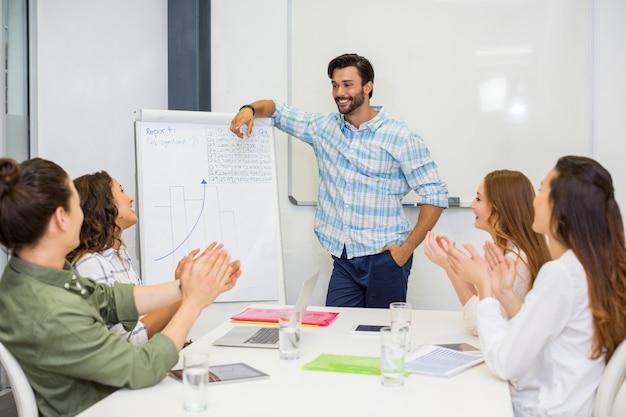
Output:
[[255, 315], [266, 337]]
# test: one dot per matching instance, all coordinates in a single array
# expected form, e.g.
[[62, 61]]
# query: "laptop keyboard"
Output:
[[264, 336]]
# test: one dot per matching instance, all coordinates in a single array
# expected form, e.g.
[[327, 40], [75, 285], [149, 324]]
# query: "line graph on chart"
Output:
[[191, 219]]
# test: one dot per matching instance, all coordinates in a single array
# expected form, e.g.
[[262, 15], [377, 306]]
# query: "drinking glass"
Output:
[[392, 351], [195, 381], [289, 324], [400, 313]]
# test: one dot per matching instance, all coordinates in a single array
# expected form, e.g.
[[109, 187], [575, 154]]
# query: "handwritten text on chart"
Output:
[[168, 136], [230, 160], [238, 161]]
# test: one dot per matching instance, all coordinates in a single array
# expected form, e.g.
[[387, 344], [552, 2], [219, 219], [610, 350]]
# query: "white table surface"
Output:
[[291, 391]]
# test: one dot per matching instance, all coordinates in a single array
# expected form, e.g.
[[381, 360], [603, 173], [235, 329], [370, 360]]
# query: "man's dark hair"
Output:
[[363, 66]]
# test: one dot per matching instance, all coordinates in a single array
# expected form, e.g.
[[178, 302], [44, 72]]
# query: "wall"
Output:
[[92, 65], [609, 101], [99, 61], [486, 82]]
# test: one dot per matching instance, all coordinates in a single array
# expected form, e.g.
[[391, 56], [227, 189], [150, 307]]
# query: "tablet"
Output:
[[367, 328], [231, 372], [461, 347]]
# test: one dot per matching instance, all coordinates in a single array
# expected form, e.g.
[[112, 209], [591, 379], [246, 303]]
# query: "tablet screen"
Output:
[[227, 373], [462, 347]]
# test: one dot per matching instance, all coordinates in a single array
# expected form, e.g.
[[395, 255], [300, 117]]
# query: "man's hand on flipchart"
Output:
[[242, 123]]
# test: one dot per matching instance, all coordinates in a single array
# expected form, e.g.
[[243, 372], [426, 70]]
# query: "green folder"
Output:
[[344, 363]]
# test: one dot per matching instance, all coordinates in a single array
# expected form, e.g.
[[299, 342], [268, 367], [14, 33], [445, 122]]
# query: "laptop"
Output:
[[266, 337]]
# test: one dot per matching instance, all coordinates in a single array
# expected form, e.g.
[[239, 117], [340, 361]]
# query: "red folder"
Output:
[[270, 315]]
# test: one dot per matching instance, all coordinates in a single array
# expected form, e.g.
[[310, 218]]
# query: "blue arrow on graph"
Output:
[[194, 225]]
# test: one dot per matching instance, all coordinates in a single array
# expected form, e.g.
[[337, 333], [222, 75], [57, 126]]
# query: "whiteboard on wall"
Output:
[[198, 183], [487, 84]]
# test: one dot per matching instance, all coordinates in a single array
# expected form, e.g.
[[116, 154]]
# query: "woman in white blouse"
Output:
[[102, 255], [503, 208], [554, 349]]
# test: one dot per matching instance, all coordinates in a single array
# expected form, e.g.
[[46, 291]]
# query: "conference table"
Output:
[[292, 391]]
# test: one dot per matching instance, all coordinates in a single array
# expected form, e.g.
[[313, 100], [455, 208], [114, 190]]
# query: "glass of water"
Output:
[[195, 381], [400, 313], [392, 352], [289, 324]]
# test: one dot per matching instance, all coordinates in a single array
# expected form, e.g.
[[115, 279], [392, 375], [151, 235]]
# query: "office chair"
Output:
[[610, 384], [22, 391]]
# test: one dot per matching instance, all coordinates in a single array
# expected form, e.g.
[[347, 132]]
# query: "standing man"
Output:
[[367, 162]]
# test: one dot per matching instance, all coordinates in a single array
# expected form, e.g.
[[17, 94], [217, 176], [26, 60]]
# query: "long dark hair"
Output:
[[587, 219], [510, 196], [30, 193], [99, 230]]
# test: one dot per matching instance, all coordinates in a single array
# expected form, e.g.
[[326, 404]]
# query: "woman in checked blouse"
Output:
[[103, 256]]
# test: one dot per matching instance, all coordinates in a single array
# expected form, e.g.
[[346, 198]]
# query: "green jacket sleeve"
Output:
[[115, 304], [78, 344]]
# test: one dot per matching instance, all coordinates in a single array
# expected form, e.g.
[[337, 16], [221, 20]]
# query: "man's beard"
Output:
[[356, 102]]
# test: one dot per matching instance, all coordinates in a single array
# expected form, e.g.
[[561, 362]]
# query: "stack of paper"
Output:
[[440, 361]]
